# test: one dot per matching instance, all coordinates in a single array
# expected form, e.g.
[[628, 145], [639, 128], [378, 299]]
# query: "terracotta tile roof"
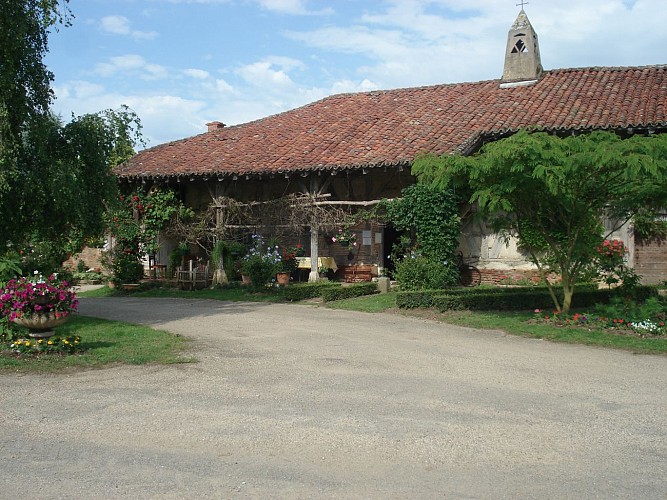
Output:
[[392, 127]]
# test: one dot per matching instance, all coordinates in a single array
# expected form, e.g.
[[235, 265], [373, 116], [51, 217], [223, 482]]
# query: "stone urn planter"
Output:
[[41, 325]]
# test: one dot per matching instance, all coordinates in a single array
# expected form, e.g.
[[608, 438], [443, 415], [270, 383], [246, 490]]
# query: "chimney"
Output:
[[213, 126]]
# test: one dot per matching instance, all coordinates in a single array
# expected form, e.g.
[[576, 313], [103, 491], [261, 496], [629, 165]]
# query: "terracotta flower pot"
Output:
[[283, 278]]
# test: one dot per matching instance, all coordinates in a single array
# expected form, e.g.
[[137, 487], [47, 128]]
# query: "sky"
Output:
[[182, 63]]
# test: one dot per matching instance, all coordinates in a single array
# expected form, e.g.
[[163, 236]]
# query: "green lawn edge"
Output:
[[105, 343]]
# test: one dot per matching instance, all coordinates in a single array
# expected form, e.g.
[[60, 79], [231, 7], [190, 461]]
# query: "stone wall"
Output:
[[92, 257]]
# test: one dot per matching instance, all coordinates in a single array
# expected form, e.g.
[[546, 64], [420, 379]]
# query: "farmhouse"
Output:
[[358, 148]]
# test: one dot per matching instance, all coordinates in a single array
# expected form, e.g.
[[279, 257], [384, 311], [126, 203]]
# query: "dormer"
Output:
[[523, 65]]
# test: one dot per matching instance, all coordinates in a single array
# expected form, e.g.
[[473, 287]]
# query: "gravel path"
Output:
[[292, 401]]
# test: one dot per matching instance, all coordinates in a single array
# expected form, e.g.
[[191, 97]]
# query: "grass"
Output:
[[231, 294], [105, 343], [370, 303], [515, 323]]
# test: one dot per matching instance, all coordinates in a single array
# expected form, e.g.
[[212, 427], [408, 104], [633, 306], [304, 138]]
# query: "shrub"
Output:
[[630, 310], [422, 273], [347, 292], [127, 267], [509, 299], [304, 291]]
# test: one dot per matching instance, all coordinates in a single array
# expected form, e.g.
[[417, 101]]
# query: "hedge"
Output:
[[508, 299], [347, 292], [304, 291]]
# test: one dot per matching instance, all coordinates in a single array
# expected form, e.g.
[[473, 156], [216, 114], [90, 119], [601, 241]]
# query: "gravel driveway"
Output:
[[292, 401]]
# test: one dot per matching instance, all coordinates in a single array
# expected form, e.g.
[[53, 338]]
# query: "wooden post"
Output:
[[314, 252], [314, 275]]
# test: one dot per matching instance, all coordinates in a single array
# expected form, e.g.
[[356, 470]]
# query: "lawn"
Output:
[[104, 343]]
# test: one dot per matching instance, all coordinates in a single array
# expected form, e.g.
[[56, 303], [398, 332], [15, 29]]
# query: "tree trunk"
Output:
[[568, 291]]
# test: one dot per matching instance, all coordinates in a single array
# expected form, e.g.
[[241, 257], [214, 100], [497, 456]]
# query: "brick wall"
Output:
[[651, 261], [508, 276]]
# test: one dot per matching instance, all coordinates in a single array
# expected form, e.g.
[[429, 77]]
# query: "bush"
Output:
[[347, 292], [422, 273], [304, 291], [630, 310], [127, 268], [508, 299]]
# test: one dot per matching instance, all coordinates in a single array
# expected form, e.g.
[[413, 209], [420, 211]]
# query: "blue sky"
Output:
[[182, 63]]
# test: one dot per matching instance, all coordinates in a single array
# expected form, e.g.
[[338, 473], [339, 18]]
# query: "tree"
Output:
[[554, 193], [25, 82], [55, 178], [58, 194]]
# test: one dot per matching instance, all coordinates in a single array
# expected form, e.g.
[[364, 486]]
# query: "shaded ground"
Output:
[[292, 401]]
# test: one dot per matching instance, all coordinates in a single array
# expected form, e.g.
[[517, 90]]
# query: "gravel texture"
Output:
[[293, 401]]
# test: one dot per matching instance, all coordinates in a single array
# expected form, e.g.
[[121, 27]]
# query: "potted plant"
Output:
[[259, 264], [39, 304], [286, 266], [323, 271], [344, 237]]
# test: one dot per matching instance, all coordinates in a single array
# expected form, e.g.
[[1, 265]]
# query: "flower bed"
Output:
[[24, 298]]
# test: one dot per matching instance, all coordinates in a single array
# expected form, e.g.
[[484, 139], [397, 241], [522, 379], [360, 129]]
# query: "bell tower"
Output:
[[523, 65]]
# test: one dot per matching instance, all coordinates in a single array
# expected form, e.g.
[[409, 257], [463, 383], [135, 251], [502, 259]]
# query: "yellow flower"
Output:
[[50, 342]]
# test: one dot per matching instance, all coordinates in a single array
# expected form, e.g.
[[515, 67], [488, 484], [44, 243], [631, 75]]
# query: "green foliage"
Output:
[[330, 294], [303, 291], [54, 178], [176, 257], [510, 299], [127, 267], [10, 267], [649, 226], [136, 221], [652, 308], [53, 345], [424, 273], [261, 270], [261, 261], [432, 214], [554, 193], [24, 80]]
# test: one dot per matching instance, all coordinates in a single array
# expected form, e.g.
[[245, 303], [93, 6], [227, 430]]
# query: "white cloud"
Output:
[[299, 7], [295, 7], [155, 72], [198, 74], [222, 86], [120, 25], [262, 74], [132, 64]]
